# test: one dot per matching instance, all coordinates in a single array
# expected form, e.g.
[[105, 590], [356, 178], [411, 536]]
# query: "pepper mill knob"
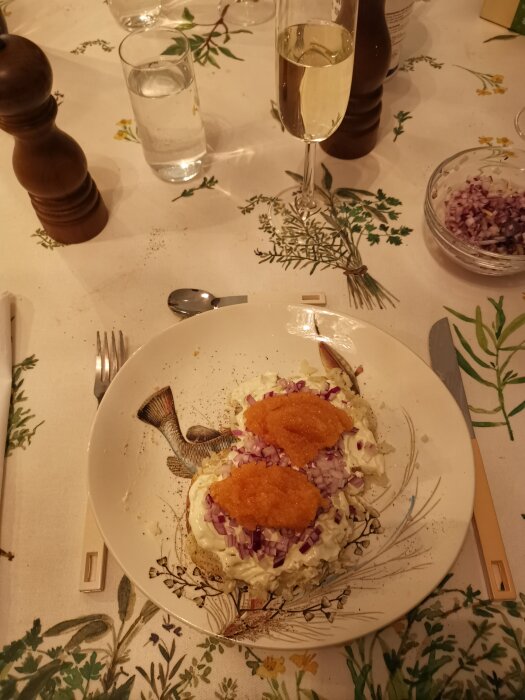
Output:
[[48, 163]]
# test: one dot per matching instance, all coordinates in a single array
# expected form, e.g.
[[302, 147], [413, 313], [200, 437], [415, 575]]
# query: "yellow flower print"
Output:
[[488, 81], [125, 132], [503, 141], [305, 662], [485, 139], [271, 667]]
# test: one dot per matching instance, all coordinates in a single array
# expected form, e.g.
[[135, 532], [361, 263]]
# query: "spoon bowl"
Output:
[[190, 302]]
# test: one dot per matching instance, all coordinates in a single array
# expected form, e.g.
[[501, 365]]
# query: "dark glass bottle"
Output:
[[3, 23], [357, 134]]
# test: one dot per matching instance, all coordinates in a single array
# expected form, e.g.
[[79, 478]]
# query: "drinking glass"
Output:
[[247, 12], [158, 68], [519, 122], [315, 60], [135, 14]]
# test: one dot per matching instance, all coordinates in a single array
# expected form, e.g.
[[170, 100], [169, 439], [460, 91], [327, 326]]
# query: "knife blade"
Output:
[[494, 560]]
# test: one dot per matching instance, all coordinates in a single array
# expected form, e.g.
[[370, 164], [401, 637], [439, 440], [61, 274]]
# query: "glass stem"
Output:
[[307, 195]]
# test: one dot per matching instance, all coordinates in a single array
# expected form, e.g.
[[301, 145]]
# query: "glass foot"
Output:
[[288, 211], [247, 12], [519, 122]]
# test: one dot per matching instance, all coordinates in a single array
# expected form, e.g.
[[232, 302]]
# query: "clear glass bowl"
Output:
[[499, 162]]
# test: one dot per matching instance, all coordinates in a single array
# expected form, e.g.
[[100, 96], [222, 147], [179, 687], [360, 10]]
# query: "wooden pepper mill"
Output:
[[48, 163]]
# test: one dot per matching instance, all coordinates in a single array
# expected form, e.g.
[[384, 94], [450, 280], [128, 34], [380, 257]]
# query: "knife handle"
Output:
[[494, 558], [94, 556]]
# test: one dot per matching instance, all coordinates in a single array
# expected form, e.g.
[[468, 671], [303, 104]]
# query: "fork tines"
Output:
[[108, 361]]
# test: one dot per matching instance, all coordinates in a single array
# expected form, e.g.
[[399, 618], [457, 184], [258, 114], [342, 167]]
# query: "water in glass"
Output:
[[166, 107], [135, 14]]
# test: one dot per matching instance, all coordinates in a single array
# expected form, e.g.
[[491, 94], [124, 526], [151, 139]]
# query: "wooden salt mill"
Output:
[[48, 163]]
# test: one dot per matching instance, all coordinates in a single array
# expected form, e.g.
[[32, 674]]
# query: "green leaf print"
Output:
[[497, 373], [333, 237], [420, 656], [209, 44], [19, 429]]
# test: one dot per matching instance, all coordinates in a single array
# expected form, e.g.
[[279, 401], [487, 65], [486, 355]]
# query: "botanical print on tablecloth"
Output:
[[499, 142], [425, 657], [274, 111], [400, 117], [351, 217], [59, 97], [208, 46], [20, 430], [126, 131], [44, 240], [492, 83], [454, 644], [156, 242], [410, 63], [104, 45], [208, 183], [501, 37], [20, 426], [490, 366]]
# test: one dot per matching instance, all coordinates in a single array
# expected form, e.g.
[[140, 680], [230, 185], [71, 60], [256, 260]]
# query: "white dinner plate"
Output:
[[425, 509]]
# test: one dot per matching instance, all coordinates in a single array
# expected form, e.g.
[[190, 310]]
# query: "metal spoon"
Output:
[[189, 302]]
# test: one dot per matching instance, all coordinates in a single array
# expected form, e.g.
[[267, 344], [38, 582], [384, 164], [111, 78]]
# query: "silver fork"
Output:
[[108, 361]]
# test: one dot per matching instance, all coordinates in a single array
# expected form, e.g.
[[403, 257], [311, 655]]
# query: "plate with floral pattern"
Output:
[[416, 520]]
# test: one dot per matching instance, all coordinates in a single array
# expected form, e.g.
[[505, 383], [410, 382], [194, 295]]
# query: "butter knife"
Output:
[[496, 568]]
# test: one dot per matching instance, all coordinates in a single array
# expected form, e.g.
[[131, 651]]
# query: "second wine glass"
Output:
[[315, 59]]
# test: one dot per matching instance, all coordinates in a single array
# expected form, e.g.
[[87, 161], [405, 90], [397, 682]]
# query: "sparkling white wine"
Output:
[[314, 78]]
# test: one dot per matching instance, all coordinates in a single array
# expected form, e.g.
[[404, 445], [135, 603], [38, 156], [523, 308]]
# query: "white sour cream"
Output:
[[298, 568]]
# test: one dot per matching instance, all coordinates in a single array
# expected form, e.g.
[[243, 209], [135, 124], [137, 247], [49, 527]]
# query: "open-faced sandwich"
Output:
[[275, 502]]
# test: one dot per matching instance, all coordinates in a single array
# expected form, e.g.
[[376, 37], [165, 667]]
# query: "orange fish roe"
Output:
[[257, 495], [300, 423]]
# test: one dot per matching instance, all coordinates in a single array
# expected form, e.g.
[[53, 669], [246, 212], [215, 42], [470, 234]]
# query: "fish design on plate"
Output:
[[159, 411]]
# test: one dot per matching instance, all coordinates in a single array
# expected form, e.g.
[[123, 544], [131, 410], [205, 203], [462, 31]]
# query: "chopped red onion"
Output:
[[327, 471], [488, 214], [356, 481], [219, 527]]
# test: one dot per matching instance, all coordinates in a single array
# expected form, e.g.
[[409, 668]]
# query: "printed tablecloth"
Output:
[[459, 85]]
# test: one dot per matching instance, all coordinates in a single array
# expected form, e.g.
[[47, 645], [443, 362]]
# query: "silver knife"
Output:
[[496, 568]]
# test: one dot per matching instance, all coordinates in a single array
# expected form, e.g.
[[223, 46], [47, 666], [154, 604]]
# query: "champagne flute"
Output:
[[315, 59], [519, 122]]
